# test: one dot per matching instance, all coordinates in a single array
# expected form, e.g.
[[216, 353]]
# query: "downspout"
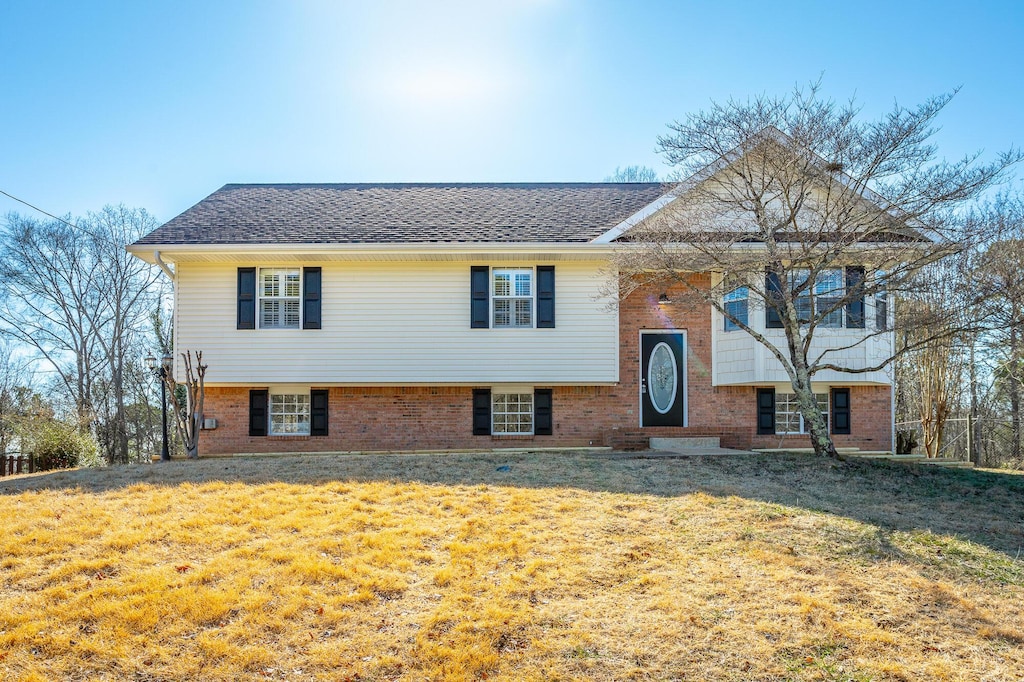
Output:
[[163, 266]]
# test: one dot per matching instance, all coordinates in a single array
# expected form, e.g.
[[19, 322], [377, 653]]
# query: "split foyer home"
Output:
[[384, 317]]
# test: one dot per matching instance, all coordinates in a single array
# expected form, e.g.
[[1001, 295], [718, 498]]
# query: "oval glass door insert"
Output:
[[662, 377]]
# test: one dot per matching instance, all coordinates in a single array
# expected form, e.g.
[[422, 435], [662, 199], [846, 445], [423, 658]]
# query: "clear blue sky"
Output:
[[157, 104]]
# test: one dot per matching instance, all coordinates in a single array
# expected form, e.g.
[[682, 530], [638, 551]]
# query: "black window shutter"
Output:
[[855, 287], [258, 412], [318, 411], [841, 410], [542, 412], [773, 296], [481, 411], [480, 286], [246, 298], [546, 296], [311, 298], [765, 410]]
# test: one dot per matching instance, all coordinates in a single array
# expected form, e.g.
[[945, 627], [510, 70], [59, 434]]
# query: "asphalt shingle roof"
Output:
[[406, 213]]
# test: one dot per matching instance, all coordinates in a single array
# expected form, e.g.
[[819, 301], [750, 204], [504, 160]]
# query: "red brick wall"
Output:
[[429, 418]]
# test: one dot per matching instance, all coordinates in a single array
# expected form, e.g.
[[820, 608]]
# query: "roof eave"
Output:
[[148, 252]]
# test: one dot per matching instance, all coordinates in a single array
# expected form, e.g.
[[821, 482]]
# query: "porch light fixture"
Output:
[[663, 299]]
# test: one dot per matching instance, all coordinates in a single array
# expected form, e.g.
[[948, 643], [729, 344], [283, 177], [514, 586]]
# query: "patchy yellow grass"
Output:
[[560, 568]]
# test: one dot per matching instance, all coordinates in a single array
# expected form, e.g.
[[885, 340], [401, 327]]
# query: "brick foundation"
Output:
[[429, 418]]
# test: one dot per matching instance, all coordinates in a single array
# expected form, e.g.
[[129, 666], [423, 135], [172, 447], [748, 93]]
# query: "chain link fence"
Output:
[[988, 442]]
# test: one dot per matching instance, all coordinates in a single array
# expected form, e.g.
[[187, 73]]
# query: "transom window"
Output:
[[289, 414], [512, 414], [735, 303], [280, 297], [512, 297], [787, 412]]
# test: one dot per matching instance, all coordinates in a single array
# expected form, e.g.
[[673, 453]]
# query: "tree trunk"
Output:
[[1013, 384]]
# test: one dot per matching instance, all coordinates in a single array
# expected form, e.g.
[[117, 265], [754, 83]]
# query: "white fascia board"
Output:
[[644, 213], [661, 202], [169, 251]]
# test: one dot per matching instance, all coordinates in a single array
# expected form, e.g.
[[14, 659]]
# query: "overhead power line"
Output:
[[36, 208]]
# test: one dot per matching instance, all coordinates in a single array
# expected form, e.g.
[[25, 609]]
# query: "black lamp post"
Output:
[[161, 372]]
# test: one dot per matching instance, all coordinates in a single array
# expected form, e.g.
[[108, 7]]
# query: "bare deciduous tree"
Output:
[[188, 413], [49, 295], [72, 293], [782, 194], [999, 277], [633, 174]]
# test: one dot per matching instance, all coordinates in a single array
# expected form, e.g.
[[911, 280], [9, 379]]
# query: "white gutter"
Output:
[[163, 266]]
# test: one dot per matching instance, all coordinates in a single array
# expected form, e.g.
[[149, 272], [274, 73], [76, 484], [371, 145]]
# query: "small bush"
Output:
[[55, 445]]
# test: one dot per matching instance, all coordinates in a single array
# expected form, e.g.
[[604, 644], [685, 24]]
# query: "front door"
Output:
[[662, 378]]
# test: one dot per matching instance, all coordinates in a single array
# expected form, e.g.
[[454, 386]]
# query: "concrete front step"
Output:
[[684, 444]]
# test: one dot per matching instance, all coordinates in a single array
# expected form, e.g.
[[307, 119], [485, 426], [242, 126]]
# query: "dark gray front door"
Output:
[[662, 373]]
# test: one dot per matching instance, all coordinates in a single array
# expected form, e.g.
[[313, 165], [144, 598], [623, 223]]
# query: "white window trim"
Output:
[[494, 411], [494, 272], [289, 391], [826, 411], [735, 299], [260, 298]]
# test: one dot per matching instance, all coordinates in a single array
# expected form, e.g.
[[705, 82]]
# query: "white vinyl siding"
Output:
[[399, 323]]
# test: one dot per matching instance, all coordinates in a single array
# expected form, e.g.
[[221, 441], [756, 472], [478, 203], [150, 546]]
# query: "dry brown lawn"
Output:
[[512, 567]]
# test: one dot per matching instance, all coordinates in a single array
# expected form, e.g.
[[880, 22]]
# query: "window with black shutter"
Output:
[[318, 399], [311, 287], [246, 298], [512, 297], [766, 410], [773, 299], [855, 289], [480, 302], [545, 296], [542, 422], [258, 412], [481, 411]]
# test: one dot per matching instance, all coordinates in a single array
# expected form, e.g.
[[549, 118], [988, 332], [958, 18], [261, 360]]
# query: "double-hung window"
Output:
[[280, 298], [289, 414], [735, 304], [512, 414], [829, 290], [512, 297], [881, 305], [787, 412], [821, 296]]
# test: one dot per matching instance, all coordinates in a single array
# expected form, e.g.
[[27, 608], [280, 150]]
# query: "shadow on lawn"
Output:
[[983, 507]]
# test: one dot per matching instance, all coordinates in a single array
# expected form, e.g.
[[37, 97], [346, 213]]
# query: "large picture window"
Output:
[[512, 297], [512, 414], [280, 297], [787, 412], [289, 414]]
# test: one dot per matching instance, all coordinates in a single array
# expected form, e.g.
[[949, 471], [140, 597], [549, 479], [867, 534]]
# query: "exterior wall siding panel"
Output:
[[441, 417], [398, 323]]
